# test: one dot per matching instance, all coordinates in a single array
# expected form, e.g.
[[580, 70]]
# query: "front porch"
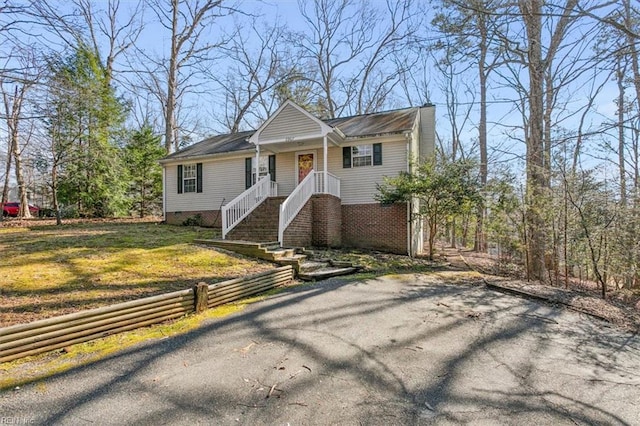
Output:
[[309, 216]]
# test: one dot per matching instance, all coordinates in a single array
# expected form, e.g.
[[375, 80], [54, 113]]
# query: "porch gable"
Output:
[[290, 123]]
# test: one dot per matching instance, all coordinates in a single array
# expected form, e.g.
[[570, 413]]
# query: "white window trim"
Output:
[[185, 178], [264, 161], [369, 155]]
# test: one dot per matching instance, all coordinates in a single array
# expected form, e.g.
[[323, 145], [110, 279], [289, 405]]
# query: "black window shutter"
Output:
[[346, 157], [377, 154], [272, 167], [180, 179], [247, 173], [199, 177]]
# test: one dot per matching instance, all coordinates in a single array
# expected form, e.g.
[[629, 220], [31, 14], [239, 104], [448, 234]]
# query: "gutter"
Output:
[[229, 154]]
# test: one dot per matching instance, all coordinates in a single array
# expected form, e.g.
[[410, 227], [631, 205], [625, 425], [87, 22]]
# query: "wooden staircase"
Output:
[[270, 251], [306, 269]]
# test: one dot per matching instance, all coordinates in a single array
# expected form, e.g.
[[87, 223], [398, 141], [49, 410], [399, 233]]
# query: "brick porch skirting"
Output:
[[375, 227]]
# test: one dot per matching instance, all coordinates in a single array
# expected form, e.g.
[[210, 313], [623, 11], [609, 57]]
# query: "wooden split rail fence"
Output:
[[23, 340]]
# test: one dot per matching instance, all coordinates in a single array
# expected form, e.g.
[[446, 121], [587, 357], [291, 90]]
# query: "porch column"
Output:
[[324, 165], [257, 163]]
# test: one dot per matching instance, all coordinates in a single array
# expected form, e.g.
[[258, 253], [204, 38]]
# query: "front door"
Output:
[[305, 162]]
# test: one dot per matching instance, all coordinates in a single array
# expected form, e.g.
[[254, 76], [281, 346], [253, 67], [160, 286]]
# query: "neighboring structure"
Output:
[[315, 182]]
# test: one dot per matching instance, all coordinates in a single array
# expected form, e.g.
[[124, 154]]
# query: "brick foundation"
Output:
[[322, 222], [299, 232], [377, 227], [327, 221], [209, 218]]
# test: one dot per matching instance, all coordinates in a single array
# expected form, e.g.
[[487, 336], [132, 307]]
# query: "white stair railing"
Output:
[[333, 184], [240, 207], [290, 208]]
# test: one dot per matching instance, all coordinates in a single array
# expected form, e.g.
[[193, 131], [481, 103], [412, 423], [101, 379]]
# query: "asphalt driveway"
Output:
[[409, 349]]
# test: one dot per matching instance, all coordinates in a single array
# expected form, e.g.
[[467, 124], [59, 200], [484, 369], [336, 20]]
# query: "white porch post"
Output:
[[257, 163], [324, 165]]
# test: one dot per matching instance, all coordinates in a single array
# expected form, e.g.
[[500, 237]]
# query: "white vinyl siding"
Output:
[[290, 123], [225, 178], [221, 179], [358, 184], [427, 131], [287, 171]]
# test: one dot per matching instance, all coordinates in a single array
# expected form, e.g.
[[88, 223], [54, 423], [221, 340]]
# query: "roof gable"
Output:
[[290, 121]]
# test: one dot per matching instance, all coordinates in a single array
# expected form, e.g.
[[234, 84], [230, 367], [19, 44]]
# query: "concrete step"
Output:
[[324, 273], [312, 265], [319, 269]]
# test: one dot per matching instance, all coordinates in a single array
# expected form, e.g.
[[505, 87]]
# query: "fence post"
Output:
[[201, 295]]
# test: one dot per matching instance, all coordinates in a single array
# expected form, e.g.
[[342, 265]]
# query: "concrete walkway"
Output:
[[406, 349]]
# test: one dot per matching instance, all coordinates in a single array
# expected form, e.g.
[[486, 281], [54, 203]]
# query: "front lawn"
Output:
[[48, 270]]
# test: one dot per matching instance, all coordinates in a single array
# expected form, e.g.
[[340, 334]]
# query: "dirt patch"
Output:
[[622, 307]]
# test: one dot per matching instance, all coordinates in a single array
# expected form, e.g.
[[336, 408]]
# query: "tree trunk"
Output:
[[13, 110], [170, 143], [5, 188], [432, 238], [531, 11], [548, 109], [480, 241], [620, 74], [54, 193], [22, 187]]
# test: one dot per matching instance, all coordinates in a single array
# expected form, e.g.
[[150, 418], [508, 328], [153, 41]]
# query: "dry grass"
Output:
[[47, 270]]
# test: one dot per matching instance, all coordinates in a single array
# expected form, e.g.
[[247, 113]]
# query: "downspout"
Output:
[[164, 194], [410, 203]]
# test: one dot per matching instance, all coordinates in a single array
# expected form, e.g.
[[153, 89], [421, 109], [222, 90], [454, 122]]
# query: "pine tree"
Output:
[[145, 174], [85, 121]]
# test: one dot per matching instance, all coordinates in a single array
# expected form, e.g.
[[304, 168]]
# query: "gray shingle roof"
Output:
[[381, 123], [219, 144]]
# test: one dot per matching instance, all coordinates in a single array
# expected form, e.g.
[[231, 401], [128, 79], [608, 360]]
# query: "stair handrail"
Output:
[[290, 208], [240, 207], [333, 184]]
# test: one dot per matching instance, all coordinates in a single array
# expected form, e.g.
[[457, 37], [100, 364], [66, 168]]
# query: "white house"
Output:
[[315, 183]]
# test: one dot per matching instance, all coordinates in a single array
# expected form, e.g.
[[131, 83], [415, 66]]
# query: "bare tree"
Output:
[[190, 24], [255, 72], [472, 27], [119, 30], [352, 46], [14, 91]]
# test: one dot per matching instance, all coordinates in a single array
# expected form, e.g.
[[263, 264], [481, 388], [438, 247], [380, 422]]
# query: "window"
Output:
[[264, 168], [267, 165], [189, 178], [361, 155]]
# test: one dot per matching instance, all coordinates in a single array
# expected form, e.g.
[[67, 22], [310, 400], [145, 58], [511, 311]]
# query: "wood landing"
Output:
[[307, 268]]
